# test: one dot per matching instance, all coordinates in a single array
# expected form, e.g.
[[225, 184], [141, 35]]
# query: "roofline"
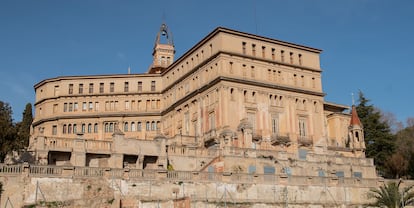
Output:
[[60, 78], [335, 105], [235, 32]]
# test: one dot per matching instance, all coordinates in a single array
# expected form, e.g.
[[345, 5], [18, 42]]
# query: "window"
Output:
[[152, 86], [55, 108], [300, 59], [147, 126], [139, 126], [187, 123], [125, 126], [275, 124], [96, 106], [90, 106], [126, 86], [70, 107], [133, 126], [321, 173], [111, 127], [75, 106], [244, 47], [69, 128], [83, 128], [254, 49], [127, 106], [80, 88], [291, 57], [302, 154], [65, 107], [251, 116], [90, 88], [107, 127], [101, 87], [357, 174], [263, 52], [54, 130], [111, 87], [302, 127], [89, 128], [139, 86], [252, 169], [64, 129], [340, 174], [70, 89], [273, 54], [84, 106], [153, 126], [282, 55], [75, 130], [95, 128]]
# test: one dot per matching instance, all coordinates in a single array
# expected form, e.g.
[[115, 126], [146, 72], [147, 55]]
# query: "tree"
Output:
[[7, 129], [405, 147], [380, 143], [390, 196], [24, 127]]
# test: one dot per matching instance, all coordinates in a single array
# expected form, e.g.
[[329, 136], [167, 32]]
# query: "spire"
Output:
[[354, 117], [163, 53]]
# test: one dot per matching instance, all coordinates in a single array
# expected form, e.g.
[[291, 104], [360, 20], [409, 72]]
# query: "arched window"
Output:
[[75, 130], [106, 127], [89, 128], [153, 126], [125, 126], [83, 128], [95, 128], [147, 126], [111, 127], [64, 129], [69, 128], [133, 126], [139, 126]]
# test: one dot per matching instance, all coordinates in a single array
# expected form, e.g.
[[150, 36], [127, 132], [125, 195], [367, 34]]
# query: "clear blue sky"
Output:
[[367, 44]]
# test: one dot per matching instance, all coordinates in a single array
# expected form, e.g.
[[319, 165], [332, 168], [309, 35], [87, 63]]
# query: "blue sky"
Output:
[[367, 44]]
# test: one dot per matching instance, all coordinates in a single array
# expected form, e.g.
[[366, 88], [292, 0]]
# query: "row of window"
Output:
[[273, 53], [73, 128], [110, 105], [111, 87]]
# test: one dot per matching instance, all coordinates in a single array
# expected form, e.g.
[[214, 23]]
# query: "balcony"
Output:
[[277, 139], [305, 141], [211, 138]]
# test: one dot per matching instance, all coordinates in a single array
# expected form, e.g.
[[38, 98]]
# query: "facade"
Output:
[[235, 102]]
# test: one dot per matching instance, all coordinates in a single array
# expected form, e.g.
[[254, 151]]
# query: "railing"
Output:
[[193, 176], [58, 143], [36, 170], [96, 145], [10, 169]]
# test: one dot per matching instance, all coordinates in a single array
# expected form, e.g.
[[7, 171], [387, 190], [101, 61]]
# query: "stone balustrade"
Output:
[[183, 176]]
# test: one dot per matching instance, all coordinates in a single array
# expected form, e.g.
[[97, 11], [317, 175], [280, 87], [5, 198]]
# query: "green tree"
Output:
[[405, 147], [7, 130], [390, 196], [380, 142], [24, 127]]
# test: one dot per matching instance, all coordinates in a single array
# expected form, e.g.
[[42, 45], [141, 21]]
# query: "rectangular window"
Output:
[[70, 89], [273, 54], [139, 86], [340, 174], [126, 86], [90, 106], [302, 154], [254, 49], [282, 55], [300, 59], [147, 126], [96, 106], [187, 123], [65, 107], [75, 106], [101, 87], [357, 174], [321, 173], [302, 127], [111, 87], [252, 169], [212, 120], [127, 107], [90, 88], [244, 47], [152, 86], [275, 124], [70, 107], [54, 130], [84, 106], [80, 88], [263, 52]]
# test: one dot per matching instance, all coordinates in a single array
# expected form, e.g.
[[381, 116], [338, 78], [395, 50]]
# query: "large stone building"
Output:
[[233, 103]]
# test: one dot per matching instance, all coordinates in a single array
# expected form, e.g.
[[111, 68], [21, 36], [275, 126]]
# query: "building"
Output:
[[233, 103]]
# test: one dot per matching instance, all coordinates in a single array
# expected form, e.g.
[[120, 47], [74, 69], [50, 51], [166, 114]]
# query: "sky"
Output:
[[367, 44]]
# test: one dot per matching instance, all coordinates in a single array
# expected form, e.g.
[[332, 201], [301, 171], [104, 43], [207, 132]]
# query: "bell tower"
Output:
[[356, 134], [163, 53]]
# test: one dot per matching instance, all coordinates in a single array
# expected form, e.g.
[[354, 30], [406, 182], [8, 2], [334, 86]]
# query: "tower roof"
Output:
[[354, 117]]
